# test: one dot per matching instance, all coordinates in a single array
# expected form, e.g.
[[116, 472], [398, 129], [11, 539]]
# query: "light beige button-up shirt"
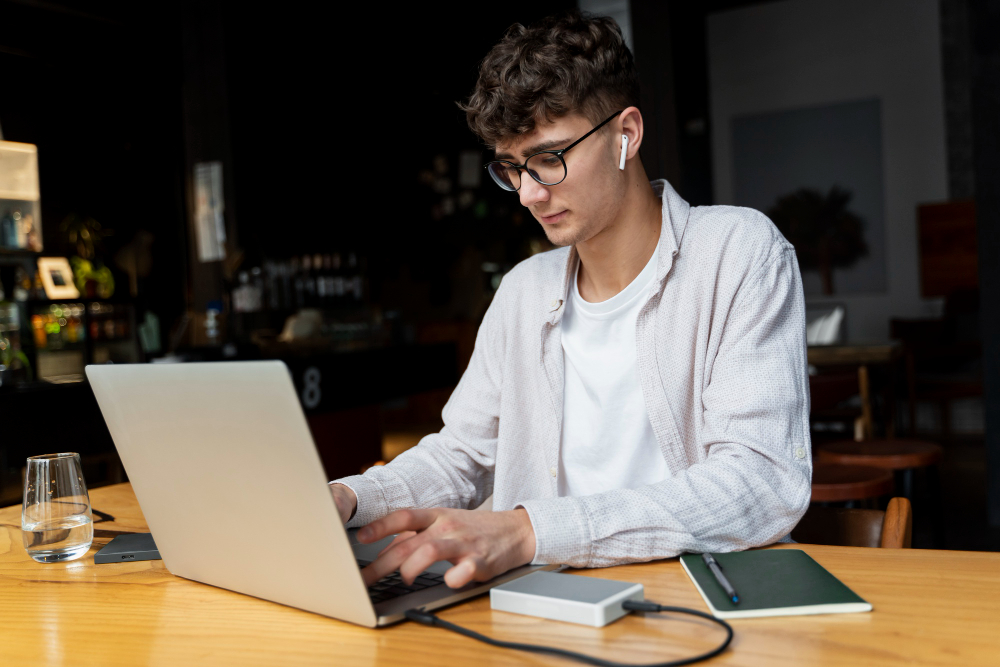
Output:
[[721, 356]]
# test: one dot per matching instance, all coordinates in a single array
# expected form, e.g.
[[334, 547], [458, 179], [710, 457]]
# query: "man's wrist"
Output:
[[346, 493], [526, 535]]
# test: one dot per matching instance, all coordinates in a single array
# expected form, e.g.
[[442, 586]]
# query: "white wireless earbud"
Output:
[[621, 163]]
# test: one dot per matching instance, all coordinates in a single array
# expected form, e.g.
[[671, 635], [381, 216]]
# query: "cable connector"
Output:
[[638, 605], [421, 617]]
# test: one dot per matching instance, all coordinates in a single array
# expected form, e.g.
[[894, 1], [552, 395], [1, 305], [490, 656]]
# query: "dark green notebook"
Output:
[[772, 582]]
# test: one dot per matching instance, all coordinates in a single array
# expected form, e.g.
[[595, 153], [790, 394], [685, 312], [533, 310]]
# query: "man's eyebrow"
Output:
[[531, 150]]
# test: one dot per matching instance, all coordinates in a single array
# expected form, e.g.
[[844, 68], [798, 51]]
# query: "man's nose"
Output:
[[532, 192]]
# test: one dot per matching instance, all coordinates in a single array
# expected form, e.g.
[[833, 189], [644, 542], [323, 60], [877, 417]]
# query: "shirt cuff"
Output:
[[372, 504], [379, 491], [562, 532]]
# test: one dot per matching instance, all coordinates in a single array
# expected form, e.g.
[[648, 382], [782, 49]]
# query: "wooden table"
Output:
[[931, 607], [853, 355]]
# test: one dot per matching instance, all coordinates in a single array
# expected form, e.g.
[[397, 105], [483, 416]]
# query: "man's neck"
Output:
[[614, 257]]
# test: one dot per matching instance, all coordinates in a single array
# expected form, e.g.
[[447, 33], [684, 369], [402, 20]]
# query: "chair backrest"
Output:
[[839, 526], [828, 390]]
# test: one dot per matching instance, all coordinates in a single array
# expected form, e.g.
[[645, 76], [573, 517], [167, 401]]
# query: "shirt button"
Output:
[[553, 472], [800, 452]]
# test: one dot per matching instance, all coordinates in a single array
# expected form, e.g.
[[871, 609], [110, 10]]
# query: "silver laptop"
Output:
[[226, 473]]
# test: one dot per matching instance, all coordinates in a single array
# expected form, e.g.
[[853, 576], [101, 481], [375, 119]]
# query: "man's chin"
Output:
[[559, 237]]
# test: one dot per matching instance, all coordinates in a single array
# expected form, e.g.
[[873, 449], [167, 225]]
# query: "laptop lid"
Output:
[[224, 467]]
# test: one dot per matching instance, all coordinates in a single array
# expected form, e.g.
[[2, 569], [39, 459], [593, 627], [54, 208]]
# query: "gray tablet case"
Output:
[[133, 546]]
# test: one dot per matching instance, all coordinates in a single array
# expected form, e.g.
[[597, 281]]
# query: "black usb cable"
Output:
[[632, 605]]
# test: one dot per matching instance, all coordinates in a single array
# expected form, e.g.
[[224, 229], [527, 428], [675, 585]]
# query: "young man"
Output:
[[635, 394]]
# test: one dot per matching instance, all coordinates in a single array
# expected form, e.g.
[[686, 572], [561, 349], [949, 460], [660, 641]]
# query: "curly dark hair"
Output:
[[567, 63]]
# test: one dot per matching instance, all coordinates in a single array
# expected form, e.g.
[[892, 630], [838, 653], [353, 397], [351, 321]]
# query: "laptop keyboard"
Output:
[[392, 586]]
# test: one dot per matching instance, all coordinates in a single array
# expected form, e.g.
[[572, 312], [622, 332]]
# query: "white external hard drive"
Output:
[[566, 597]]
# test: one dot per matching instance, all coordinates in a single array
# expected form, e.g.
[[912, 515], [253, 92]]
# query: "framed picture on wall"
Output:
[[57, 278]]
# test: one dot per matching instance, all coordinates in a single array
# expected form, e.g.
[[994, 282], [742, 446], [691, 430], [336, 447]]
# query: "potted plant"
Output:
[[826, 235]]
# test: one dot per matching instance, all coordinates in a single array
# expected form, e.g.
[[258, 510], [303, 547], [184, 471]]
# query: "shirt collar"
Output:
[[674, 221]]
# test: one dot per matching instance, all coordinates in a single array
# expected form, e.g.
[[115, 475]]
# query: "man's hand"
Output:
[[481, 545], [345, 500]]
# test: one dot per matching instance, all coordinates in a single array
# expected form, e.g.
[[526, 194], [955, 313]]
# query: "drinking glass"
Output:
[[56, 521]]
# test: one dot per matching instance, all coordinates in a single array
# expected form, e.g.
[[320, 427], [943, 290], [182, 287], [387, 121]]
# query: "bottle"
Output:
[[52, 329], [328, 278], [239, 293], [272, 285], [8, 231], [321, 292], [78, 313], [10, 328], [32, 234], [299, 282], [286, 285], [310, 281], [318, 278], [95, 325], [22, 285], [355, 277], [72, 325], [257, 290], [337, 281], [38, 287], [38, 329], [20, 230]]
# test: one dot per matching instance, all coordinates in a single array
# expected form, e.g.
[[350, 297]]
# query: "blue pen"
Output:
[[716, 570]]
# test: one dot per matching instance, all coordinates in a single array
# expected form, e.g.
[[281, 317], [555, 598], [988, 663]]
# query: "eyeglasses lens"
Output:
[[546, 168], [506, 176]]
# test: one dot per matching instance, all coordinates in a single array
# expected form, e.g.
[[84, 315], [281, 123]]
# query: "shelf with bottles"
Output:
[[20, 205], [325, 281], [64, 325], [20, 231], [55, 340]]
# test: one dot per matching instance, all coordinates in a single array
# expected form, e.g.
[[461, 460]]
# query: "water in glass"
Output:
[[56, 521]]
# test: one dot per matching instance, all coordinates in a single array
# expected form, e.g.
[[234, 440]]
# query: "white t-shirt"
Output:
[[607, 441]]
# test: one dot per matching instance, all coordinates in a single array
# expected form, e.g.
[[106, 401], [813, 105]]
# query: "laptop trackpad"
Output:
[[369, 552]]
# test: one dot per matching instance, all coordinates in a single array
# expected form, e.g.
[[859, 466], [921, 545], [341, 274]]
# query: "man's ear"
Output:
[[631, 127]]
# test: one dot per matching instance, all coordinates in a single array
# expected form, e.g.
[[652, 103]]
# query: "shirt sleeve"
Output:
[[755, 482], [452, 468]]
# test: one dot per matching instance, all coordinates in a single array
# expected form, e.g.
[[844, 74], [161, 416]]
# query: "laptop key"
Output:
[[427, 581]]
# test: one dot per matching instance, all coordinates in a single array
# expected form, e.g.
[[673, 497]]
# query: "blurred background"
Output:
[[211, 181]]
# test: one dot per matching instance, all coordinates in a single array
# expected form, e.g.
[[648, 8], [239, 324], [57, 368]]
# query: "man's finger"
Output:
[[399, 521], [392, 558], [402, 537], [465, 571], [428, 553]]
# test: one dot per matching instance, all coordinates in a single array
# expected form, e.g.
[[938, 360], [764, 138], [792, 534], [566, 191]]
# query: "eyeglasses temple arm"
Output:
[[602, 124]]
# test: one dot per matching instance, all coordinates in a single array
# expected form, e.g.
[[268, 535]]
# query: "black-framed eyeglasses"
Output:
[[546, 167]]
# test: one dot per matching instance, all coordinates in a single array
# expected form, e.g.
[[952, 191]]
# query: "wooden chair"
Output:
[[828, 390], [944, 355], [891, 529], [840, 483]]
